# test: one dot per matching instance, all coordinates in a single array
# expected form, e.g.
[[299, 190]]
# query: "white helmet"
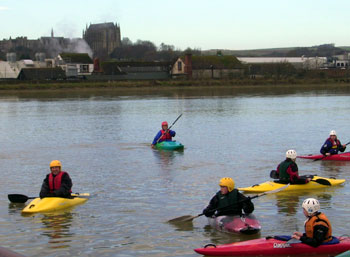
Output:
[[292, 154], [332, 133], [311, 205]]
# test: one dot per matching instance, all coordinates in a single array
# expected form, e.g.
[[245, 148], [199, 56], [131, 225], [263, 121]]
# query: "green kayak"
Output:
[[170, 145]]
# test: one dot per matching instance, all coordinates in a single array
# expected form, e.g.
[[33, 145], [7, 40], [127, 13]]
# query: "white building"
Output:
[[298, 62]]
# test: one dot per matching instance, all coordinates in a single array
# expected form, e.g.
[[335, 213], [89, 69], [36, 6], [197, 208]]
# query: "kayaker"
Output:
[[332, 145], [164, 134], [318, 228], [228, 201], [287, 171], [57, 183]]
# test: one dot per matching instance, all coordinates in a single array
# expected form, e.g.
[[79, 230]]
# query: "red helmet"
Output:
[[164, 123]]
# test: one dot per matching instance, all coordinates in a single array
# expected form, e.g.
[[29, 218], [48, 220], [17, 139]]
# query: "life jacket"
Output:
[[228, 203], [318, 219], [283, 175], [55, 182], [165, 136], [335, 143]]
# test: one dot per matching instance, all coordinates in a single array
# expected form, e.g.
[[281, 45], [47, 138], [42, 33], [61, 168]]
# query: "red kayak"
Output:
[[245, 224], [334, 157], [270, 246]]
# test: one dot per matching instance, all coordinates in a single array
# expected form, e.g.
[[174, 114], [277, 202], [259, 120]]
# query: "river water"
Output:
[[103, 140]]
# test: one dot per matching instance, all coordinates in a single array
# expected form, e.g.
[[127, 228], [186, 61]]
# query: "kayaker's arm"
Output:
[[246, 203], [45, 190], [342, 147], [159, 134], [320, 233], [172, 133], [326, 147], [212, 207]]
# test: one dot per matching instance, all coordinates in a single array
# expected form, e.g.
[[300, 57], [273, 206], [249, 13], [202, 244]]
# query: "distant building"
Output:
[[202, 67], [75, 64], [298, 62], [103, 38]]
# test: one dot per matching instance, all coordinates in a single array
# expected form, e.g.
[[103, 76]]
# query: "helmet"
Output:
[[227, 182], [311, 205], [332, 133], [55, 163], [292, 154], [164, 123]]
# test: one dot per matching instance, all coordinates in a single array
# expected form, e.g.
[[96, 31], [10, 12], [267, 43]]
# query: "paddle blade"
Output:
[[17, 198], [322, 181], [273, 174], [293, 241], [82, 195], [185, 218]]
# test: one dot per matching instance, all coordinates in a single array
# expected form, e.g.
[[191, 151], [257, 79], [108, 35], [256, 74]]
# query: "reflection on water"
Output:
[[56, 226], [165, 158], [15, 208], [287, 204]]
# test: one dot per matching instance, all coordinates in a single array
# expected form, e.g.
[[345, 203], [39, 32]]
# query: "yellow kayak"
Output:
[[315, 183], [49, 204]]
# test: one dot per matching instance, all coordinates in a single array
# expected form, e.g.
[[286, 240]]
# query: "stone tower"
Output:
[[103, 38]]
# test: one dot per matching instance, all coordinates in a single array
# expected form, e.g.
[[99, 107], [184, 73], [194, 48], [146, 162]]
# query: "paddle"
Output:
[[327, 155], [325, 182], [18, 198], [169, 127], [293, 241], [190, 218]]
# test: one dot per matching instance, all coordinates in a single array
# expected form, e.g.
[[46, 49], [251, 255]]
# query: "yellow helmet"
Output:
[[55, 163], [227, 182]]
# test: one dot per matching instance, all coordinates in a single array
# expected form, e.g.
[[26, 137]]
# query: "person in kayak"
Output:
[[287, 171], [332, 145], [228, 201], [57, 183], [164, 134], [318, 228]]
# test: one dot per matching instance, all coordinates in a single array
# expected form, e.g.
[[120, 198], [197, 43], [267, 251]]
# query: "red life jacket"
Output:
[[335, 143], [165, 136], [55, 182]]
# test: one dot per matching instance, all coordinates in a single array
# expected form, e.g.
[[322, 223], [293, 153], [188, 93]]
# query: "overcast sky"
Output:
[[203, 24]]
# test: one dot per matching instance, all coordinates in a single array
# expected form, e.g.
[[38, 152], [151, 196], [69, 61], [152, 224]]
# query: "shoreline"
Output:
[[168, 84]]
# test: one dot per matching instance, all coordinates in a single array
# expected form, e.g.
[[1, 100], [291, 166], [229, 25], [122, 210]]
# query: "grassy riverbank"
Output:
[[50, 85]]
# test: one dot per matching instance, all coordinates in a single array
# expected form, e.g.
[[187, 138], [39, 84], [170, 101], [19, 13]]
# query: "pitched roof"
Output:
[[101, 26], [76, 58], [41, 73], [218, 62]]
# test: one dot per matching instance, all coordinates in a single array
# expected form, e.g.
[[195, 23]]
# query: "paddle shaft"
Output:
[[18, 198], [169, 127]]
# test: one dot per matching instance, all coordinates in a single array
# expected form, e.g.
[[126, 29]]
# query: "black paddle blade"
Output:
[[17, 198], [273, 174], [322, 181], [180, 219]]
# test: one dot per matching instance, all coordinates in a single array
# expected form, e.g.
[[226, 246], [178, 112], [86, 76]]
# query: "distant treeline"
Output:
[[147, 51]]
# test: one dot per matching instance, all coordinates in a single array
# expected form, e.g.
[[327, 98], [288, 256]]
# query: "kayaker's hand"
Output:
[[327, 154], [208, 213], [152, 146], [297, 235], [344, 146]]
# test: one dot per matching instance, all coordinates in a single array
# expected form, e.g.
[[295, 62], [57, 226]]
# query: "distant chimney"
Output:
[[188, 65], [97, 67]]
